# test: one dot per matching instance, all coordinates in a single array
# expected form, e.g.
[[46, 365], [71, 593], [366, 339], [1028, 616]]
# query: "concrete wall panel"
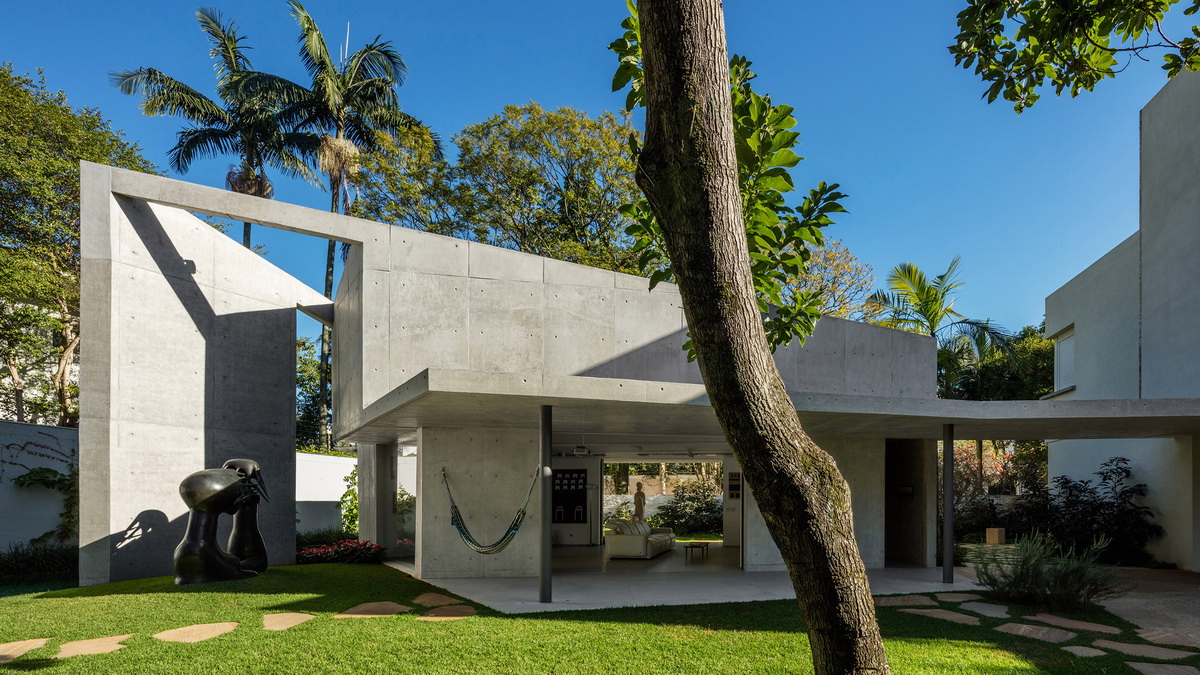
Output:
[[506, 326], [32, 511], [490, 262], [489, 472], [413, 251], [579, 329]]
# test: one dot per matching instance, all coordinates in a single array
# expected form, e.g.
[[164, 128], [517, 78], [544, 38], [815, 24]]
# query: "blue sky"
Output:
[[930, 169]]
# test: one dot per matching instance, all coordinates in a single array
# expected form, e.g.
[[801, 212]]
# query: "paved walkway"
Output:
[[1164, 603]]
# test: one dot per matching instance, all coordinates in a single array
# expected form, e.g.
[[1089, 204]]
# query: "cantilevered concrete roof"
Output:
[[633, 408]]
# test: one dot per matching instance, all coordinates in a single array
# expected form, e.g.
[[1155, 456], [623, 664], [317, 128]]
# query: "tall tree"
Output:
[[548, 182], [242, 125], [42, 140], [689, 172], [925, 306], [843, 283], [1018, 47], [349, 102]]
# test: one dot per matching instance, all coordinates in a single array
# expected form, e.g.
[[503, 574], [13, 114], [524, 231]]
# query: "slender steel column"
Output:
[[948, 503], [547, 428]]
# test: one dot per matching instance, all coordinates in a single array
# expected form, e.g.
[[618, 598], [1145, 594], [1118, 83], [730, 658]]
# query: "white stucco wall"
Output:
[[29, 512]]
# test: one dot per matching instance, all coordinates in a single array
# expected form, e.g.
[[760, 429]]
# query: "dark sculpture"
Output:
[[208, 494], [245, 541]]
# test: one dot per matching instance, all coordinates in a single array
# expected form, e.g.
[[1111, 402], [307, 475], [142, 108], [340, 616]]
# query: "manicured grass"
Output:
[[700, 536], [727, 638]]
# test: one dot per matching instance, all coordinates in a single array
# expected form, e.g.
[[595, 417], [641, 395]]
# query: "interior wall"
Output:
[[489, 471], [731, 509], [910, 502], [583, 534]]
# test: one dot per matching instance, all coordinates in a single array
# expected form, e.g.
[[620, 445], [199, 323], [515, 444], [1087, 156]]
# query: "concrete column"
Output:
[[948, 503], [377, 494], [546, 426]]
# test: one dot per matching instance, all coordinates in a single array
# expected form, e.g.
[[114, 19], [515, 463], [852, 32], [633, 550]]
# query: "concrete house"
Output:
[[499, 367], [1128, 327]]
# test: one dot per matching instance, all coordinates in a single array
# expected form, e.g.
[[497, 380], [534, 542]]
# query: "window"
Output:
[[1064, 359]]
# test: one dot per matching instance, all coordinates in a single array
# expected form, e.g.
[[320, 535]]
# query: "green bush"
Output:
[[36, 562], [1077, 513], [323, 537], [1042, 575], [696, 507]]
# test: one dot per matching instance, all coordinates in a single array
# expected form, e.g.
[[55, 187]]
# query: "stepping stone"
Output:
[[1162, 668], [904, 601], [986, 609], [368, 610], [102, 645], [1162, 636], [1084, 652], [13, 650], [945, 615], [284, 620], [1073, 624], [197, 633], [448, 613], [1148, 651], [435, 600], [1037, 632], [957, 597]]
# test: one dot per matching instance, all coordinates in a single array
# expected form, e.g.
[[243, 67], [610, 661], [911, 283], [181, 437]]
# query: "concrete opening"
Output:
[[908, 487]]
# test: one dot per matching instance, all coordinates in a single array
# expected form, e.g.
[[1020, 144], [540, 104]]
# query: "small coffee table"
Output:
[[693, 546]]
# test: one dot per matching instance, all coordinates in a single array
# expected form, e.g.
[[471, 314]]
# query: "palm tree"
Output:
[[239, 125], [919, 305], [348, 103]]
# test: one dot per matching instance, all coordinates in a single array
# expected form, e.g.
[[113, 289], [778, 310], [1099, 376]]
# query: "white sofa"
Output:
[[630, 539]]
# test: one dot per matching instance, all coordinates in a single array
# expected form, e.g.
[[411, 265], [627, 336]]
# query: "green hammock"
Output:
[[487, 549]]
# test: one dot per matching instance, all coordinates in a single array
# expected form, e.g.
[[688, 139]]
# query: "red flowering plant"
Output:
[[344, 551]]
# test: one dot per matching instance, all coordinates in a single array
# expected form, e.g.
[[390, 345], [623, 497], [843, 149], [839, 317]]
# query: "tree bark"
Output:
[[18, 385], [688, 172]]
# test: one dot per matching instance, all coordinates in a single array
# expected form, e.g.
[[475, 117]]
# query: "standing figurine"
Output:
[[246, 541], [208, 494], [639, 504]]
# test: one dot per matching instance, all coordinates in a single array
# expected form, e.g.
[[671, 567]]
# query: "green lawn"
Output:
[[727, 638]]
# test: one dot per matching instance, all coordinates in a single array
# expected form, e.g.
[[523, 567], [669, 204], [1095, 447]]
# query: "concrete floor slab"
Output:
[[1162, 669], [584, 580], [1163, 604]]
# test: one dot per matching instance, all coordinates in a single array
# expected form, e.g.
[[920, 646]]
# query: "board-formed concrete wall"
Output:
[[30, 512], [189, 360]]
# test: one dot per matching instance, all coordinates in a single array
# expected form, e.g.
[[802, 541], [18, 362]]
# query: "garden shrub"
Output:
[[323, 537], [40, 561], [1043, 575], [344, 551], [695, 508], [972, 515], [1076, 513]]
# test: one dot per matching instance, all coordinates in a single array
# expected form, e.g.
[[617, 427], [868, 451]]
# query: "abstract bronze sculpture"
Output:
[[235, 489], [246, 541]]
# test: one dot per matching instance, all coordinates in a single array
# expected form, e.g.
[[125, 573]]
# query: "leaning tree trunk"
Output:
[[688, 172], [325, 437]]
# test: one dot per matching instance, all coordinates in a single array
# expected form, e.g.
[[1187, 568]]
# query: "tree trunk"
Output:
[[68, 415], [18, 385], [688, 172], [246, 235], [325, 433]]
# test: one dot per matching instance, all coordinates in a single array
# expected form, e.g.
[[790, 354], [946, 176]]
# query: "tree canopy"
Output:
[[547, 182], [42, 141], [1021, 46]]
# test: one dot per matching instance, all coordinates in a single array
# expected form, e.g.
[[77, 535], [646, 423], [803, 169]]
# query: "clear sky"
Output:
[[932, 171]]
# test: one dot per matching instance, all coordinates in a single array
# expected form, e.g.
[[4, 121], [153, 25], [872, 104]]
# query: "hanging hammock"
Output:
[[487, 549]]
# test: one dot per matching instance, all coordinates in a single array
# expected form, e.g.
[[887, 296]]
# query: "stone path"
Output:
[[442, 608], [102, 645], [904, 601], [1162, 668], [368, 610], [1148, 651], [1073, 624], [284, 620], [197, 633], [1085, 652], [986, 609], [12, 650], [1037, 632], [945, 615], [957, 597]]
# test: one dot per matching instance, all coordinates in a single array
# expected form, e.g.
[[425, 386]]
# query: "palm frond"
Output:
[[201, 142], [377, 60], [314, 53], [164, 95], [226, 50]]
